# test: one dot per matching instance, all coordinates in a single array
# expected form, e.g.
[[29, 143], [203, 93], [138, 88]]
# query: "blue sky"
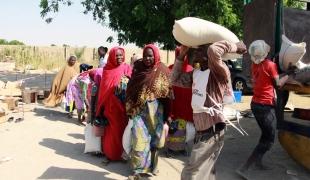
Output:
[[21, 20]]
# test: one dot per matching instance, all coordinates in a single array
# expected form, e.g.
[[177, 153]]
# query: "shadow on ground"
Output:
[[54, 114], [237, 149], [73, 174], [75, 151], [76, 136]]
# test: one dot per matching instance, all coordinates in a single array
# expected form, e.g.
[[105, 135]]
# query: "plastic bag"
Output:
[[92, 143], [127, 137]]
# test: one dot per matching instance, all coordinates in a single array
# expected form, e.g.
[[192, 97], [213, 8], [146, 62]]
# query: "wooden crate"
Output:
[[11, 102], [30, 96], [3, 118]]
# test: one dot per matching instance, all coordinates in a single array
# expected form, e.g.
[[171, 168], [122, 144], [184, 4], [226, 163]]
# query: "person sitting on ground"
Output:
[[61, 81]]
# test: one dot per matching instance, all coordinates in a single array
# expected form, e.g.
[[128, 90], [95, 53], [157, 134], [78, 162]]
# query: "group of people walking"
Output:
[[190, 93]]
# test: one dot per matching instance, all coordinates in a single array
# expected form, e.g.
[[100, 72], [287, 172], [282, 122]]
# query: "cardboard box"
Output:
[[11, 102]]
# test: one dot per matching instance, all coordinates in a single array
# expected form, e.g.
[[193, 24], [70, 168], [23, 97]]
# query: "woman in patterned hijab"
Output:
[[147, 106]]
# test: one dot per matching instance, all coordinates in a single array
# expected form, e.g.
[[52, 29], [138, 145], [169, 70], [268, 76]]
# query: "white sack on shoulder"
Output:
[[192, 32], [290, 53]]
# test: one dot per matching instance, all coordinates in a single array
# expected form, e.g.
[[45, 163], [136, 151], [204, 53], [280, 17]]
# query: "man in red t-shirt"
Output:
[[265, 80]]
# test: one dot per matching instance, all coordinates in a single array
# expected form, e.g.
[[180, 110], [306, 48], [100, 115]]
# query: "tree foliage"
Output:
[[294, 4], [145, 21], [13, 42]]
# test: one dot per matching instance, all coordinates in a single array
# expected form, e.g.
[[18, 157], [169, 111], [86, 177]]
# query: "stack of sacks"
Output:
[[292, 53], [193, 32]]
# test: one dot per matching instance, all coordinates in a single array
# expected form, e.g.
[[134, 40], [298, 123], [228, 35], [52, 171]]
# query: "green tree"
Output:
[[3, 42], [15, 42], [145, 21], [294, 4]]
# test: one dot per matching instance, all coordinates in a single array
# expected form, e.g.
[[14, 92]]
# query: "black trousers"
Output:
[[266, 120]]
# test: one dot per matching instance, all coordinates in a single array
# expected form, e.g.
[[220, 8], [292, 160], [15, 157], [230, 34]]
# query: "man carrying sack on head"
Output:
[[210, 82]]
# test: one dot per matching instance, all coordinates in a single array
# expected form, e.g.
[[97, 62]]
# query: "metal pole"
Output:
[[278, 30]]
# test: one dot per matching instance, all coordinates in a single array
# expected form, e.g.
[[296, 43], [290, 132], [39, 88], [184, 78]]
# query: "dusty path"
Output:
[[47, 145]]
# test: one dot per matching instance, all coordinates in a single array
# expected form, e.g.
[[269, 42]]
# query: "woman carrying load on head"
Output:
[[147, 105]]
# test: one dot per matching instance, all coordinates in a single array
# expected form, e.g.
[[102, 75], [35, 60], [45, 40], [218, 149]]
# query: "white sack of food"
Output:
[[193, 32], [127, 137], [92, 142], [290, 53]]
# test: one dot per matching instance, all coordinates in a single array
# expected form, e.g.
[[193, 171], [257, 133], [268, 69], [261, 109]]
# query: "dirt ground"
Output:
[[48, 145]]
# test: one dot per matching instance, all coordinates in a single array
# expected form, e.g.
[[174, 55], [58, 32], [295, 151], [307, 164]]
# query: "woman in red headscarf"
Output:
[[181, 113], [147, 105], [111, 107]]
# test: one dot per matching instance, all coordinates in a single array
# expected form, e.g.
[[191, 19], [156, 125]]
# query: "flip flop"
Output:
[[11, 119], [105, 161], [19, 120]]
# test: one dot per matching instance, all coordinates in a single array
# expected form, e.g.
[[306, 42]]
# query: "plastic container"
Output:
[[238, 95]]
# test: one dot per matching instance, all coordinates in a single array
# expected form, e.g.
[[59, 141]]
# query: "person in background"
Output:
[[77, 93], [61, 81], [95, 76], [265, 79], [111, 104], [181, 115], [103, 57], [210, 81], [147, 105], [135, 57]]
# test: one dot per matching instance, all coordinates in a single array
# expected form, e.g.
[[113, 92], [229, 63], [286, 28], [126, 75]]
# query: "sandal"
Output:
[[10, 119], [134, 177], [155, 172], [105, 161], [70, 115], [19, 120]]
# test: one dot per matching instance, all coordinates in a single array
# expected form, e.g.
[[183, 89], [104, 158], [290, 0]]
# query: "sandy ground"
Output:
[[47, 145]]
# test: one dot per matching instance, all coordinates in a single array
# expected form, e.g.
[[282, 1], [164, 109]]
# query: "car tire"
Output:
[[239, 85]]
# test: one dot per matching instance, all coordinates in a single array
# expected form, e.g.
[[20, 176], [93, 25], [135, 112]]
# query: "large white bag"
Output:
[[92, 142], [193, 32], [290, 53], [127, 137]]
